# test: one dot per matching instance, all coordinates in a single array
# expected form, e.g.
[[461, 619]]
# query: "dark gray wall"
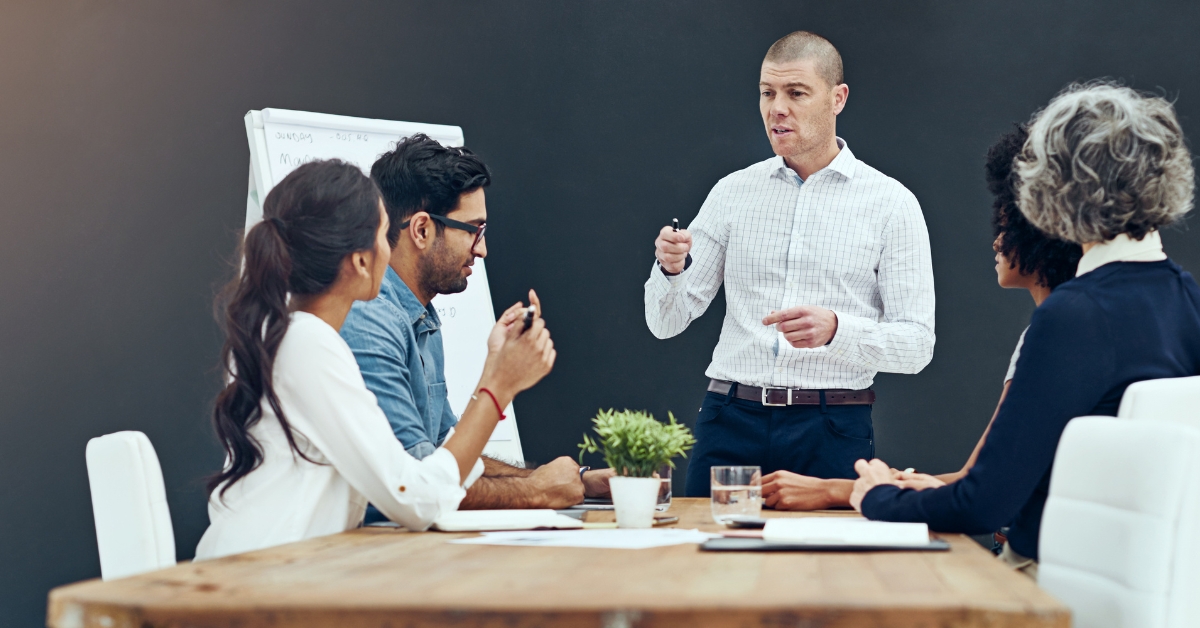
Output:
[[123, 176]]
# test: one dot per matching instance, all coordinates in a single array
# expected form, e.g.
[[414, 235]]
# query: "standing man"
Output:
[[434, 197], [828, 280]]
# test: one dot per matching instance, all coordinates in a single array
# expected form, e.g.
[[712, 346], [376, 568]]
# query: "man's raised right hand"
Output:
[[671, 248]]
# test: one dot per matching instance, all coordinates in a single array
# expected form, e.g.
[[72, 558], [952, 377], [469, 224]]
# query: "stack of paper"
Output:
[[479, 520], [604, 539], [849, 531]]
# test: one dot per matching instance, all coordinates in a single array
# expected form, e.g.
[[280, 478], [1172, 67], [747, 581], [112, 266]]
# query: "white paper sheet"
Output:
[[600, 539], [846, 531], [477, 520]]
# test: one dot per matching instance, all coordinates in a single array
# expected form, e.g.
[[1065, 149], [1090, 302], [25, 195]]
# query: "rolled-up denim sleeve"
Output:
[[375, 330]]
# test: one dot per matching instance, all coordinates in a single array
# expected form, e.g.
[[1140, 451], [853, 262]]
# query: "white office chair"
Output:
[[1120, 536], [1175, 399], [129, 503]]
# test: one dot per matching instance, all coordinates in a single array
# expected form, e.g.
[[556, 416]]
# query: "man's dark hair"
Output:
[[420, 174], [1051, 260]]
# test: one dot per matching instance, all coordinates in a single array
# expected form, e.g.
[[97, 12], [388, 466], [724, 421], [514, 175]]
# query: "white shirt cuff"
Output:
[[476, 472], [445, 464], [850, 332], [662, 282]]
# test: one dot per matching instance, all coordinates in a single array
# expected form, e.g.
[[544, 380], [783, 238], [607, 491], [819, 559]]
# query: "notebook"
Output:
[[848, 531]]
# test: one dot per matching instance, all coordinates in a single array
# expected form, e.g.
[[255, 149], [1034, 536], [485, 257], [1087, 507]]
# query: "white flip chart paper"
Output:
[[283, 139]]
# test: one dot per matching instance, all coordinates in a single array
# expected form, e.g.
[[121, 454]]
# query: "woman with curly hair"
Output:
[[1106, 167], [1026, 259]]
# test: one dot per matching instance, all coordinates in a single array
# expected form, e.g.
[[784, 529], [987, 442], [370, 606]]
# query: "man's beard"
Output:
[[441, 270]]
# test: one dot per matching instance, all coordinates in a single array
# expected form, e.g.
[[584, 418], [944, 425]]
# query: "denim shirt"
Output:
[[397, 343]]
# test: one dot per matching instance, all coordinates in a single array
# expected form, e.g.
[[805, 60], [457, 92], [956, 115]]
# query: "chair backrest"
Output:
[[1120, 536], [129, 503], [1174, 399]]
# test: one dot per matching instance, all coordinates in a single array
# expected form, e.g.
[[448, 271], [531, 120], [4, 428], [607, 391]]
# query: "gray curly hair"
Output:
[[1102, 160]]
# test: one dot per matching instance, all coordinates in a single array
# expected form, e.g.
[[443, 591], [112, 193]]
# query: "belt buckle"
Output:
[[787, 397]]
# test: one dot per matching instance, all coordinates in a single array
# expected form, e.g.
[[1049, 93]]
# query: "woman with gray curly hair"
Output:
[[1106, 167]]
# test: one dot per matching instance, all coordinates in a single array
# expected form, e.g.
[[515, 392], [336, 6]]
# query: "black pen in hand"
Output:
[[529, 312], [674, 224]]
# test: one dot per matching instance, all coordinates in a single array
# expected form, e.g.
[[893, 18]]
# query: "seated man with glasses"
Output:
[[434, 197]]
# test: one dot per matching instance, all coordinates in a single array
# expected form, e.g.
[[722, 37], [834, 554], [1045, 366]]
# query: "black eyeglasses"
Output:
[[454, 224]]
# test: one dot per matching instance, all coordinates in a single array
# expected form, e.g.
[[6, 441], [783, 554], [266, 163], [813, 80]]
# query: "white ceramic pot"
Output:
[[634, 500]]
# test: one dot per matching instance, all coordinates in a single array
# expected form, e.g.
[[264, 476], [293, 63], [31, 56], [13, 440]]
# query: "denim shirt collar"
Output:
[[424, 317]]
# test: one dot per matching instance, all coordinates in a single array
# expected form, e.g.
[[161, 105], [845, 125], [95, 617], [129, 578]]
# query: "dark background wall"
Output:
[[123, 177]]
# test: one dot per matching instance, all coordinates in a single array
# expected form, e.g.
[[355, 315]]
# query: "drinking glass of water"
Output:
[[664, 492], [736, 491]]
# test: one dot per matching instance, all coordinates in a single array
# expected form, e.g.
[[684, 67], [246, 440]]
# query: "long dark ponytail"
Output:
[[320, 213]]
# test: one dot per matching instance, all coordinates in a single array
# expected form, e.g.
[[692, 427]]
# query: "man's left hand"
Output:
[[784, 490], [557, 483], [595, 482], [804, 326]]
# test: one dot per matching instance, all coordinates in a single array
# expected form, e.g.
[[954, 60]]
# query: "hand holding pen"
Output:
[[672, 248]]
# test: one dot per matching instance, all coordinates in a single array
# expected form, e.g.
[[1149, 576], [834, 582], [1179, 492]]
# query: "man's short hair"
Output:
[[422, 175], [803, 45]]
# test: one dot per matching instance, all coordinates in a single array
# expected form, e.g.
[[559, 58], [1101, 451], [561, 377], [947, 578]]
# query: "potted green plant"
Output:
[[636, 446]]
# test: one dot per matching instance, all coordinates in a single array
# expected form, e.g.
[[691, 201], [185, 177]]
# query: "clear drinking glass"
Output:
[[736, 491], [664, 493]]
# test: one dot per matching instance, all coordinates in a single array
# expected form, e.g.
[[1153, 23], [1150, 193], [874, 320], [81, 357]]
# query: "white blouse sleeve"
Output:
[[325, 400], [1012, 364]]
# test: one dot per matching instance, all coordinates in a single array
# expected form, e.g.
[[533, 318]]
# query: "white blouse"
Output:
[[336, 422]]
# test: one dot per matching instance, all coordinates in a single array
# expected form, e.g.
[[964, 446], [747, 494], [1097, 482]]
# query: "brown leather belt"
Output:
[[794, 396]]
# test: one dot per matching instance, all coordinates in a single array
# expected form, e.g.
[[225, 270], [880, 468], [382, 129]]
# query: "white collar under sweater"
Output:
[[1122, 249]]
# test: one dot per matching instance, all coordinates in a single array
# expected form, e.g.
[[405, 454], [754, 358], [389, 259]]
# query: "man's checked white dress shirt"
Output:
[[849, 239]]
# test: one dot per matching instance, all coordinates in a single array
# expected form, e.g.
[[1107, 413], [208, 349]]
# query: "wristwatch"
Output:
[[686, 264]]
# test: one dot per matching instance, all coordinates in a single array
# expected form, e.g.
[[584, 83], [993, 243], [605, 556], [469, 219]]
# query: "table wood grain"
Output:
[[378, 577]]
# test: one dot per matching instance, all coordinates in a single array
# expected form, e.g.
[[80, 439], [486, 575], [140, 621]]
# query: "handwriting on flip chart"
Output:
[[297, 137], [291, 146], [351, 137]]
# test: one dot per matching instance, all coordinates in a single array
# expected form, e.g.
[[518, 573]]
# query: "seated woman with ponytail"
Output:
[[306, 444]]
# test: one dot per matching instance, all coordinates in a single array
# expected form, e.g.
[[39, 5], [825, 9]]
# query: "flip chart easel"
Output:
[[281, 139]]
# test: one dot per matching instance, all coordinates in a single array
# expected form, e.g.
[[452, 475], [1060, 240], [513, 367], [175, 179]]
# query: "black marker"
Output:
[[529, 312], [675, 224]]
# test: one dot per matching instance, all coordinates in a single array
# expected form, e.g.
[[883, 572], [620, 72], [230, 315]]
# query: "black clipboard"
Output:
[[743, 544]]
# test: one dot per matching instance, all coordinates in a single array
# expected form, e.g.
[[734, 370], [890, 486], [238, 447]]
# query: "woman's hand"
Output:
[[517, 358], [870, 475], [876, 472], [917, 481]]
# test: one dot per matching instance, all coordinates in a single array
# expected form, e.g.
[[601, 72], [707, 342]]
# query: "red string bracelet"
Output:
[[494, 401]]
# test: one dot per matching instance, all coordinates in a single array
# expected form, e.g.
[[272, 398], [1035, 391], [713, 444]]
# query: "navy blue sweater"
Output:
[[1095, 335]]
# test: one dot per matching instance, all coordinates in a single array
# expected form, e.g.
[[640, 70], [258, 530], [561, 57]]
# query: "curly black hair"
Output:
[[1051, 260]]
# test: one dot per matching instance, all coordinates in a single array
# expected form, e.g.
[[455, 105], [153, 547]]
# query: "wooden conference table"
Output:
[[381, 577]]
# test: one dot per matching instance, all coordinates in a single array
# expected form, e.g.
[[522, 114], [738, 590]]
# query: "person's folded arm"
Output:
[[672, 303], [903, 341], [343, 421], [1064, 370]]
